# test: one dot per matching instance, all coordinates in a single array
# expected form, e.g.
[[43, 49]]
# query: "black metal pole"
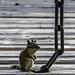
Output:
[[62, 28], [52, 59], [56, 25]]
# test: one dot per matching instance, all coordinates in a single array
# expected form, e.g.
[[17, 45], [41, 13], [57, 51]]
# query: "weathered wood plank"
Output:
[[40, 13], [33, 13], [39, 54], [16, 31], [49, 47], [34, 20], [70, 59], [23, 43], [49, 38], [26, 20], [46, 37], [38, 62], [33, 26], [36, 66], [27, 3], [52, 72], [32, 2], [42, 60]]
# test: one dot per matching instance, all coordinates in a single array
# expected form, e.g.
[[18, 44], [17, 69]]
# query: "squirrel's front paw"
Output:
[[35, 56]]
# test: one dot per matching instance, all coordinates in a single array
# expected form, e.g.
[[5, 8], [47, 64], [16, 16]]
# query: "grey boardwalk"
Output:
[[34, 19]]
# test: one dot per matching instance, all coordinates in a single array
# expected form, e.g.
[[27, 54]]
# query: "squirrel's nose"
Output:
[[38, 47]]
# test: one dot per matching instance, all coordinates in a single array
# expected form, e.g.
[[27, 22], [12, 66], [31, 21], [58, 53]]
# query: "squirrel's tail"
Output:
[[15, 66]]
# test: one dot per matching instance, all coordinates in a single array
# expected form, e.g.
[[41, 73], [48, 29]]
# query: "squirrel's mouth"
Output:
[[38, 47]]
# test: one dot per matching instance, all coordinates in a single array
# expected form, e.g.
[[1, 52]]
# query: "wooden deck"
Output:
[[35, 19]]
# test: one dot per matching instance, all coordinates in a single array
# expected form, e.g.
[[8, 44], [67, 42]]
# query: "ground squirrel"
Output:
[[27, 57]]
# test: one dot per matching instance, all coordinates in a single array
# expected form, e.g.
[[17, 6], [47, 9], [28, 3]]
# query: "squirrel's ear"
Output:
[[35, 41], [28, 42], [32, 40]]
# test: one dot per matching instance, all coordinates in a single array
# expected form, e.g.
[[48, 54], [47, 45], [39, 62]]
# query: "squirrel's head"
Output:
[[32, 44]]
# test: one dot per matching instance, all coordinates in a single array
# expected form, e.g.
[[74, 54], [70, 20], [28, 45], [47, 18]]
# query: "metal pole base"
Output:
[[42, 70], [45, 68]]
